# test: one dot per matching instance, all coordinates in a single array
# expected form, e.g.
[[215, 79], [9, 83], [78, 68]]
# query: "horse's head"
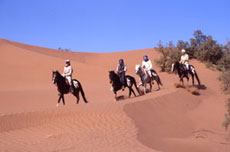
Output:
[[138, 68], [112, 74], [175, 66], [55, 75]]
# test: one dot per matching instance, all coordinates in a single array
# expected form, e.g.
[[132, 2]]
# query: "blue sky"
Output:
[[111, 25]]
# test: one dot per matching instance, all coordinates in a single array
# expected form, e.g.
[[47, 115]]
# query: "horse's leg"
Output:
[[115, 95], [130, 91], [181, 79], [150, 86], [63, 99], [158, 80], [197, 78], [76, 94], [60, 96], [192, 78], [187, 80], [139, 85], [145, 88], [131, 86], [158, 85]]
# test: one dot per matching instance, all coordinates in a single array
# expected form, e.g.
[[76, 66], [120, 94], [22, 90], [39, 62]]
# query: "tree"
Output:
[[169, 55], [163, 59], [182, 45], [204, 48]]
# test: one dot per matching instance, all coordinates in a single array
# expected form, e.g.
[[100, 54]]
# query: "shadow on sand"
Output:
[[201, 87]]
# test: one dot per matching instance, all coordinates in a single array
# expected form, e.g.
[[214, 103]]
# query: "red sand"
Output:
[[167, 120]]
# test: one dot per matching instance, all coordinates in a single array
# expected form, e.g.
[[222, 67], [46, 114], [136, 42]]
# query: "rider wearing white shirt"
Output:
[[147, 65], [68, 71], [184, 59]]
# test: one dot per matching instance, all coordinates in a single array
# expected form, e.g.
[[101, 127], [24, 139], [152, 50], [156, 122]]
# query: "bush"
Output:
[[224, 63], [209, 65], [225, 79], [226, 122]]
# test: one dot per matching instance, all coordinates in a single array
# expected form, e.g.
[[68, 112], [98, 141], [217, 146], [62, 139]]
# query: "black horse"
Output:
[[145, 79], [116, 83], [183, 72], [64, 88]]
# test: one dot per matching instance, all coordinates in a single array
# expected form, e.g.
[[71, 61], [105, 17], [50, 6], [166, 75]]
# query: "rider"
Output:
[[121, 69], [68, 71], [147, 65], [184, 59]]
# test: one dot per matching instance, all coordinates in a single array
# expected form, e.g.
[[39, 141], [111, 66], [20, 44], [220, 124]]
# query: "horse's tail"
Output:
[[197, 78], [158, 79], [82, 92], [192, 69], [132, 79], [135, 84]]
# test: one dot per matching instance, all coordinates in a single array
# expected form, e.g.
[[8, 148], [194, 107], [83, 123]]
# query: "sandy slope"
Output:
[[167, 120]]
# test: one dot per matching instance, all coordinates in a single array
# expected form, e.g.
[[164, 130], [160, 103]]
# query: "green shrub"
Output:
[[224, 63], [208, 64], [225, 79], [226, 122], [169, 55]]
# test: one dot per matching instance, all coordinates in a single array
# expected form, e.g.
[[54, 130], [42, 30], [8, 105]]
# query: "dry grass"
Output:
[[192, 89], [179, 85]]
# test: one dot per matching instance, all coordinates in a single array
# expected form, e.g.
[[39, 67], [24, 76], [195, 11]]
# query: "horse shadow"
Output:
[[122, 97], [119, 98], [147, 91], [201, 87]]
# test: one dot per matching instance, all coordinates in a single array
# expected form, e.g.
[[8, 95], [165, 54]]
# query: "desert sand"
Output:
[[168, 120]]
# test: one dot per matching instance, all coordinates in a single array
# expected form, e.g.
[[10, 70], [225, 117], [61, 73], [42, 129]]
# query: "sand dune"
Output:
[[167, 120]]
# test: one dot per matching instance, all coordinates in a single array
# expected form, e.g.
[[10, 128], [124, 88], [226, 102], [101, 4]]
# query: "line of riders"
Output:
[[122, 69], [120, 80]]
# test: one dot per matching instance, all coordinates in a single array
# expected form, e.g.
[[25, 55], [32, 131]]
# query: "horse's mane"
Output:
[[58, 74], [113, 74]]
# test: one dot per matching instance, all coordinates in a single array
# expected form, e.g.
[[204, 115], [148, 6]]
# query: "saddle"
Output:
[[184, 67], [74, 82]]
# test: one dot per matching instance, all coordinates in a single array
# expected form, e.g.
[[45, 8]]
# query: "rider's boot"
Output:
[[123, 87]]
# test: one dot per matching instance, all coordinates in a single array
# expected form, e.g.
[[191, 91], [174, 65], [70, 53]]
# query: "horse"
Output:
[[117, 85], [183, 72], [146, 79], [64, 88]]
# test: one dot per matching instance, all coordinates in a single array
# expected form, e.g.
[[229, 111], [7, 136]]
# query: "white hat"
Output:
[[183, 51], [67, 61]]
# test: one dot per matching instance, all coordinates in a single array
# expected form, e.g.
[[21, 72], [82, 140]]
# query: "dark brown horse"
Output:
[[64, 88], [183, 72], [116, 83]]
